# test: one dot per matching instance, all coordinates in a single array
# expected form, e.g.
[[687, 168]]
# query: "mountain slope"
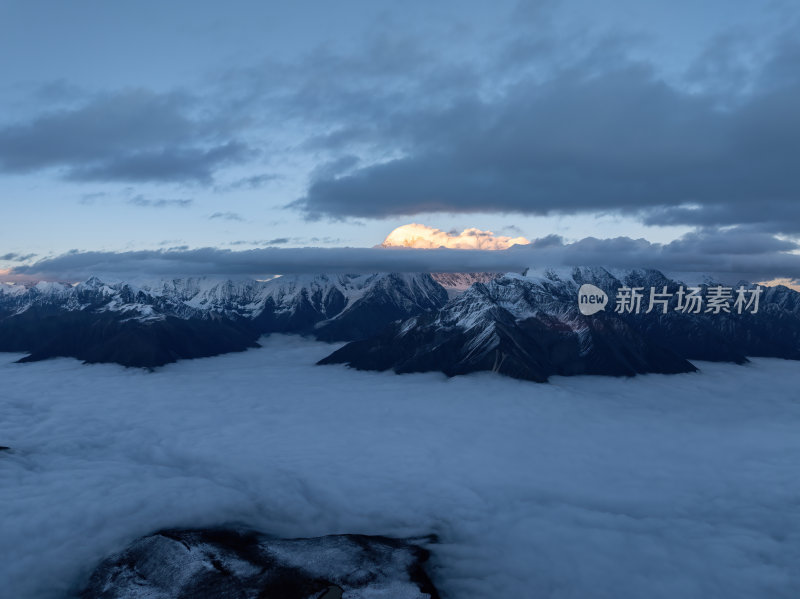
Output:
[[527, 326], [393, 297], [456, 283], [515, 328], [153, 323], [530, 327]]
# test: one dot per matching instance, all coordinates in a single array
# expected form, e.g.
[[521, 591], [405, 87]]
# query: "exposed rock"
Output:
[[149, 325], [530, 327], [243, 564], [456, 283], [507, 327], [527, 326]]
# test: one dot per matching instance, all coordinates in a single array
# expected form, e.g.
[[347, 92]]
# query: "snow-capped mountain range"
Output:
[[456, 283], [527, 326], [149, 324], [197, 297]]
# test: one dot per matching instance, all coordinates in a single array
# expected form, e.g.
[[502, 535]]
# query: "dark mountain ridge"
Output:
[[153, 324], [524, 326], [530, 327]]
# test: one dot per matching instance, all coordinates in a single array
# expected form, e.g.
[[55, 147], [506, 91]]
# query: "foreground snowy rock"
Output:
[[241, 563]]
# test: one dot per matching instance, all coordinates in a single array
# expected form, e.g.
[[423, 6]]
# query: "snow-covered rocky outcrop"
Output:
[[456, 283], [243, 563]]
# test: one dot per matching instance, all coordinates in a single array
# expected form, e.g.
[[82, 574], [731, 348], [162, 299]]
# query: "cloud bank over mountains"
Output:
[[729, 253]]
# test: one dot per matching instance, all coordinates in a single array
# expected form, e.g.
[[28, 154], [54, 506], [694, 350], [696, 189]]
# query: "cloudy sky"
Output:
[[144, 128]]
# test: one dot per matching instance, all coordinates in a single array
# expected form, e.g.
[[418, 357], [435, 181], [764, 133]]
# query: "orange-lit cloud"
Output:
[[791, 283], [422, 236]]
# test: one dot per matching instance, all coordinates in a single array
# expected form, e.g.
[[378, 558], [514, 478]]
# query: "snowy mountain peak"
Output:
[[456, 283]]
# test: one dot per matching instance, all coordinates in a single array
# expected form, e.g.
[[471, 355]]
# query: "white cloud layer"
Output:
[[658, 486], [422, 236]]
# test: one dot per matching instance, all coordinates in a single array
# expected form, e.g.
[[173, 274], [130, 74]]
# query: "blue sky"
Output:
[[147, 125]]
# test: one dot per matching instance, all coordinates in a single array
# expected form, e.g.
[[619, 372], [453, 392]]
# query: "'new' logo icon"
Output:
[[591, 299]]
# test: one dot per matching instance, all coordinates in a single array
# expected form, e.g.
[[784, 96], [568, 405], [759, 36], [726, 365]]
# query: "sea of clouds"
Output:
[[657, 486]]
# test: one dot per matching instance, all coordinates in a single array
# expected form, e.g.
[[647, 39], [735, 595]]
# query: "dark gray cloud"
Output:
[[531, 119], [712, 252], [144, 202], [164, 165], [135, 135], [91, 198], [723, 66], [517, 232], [734, 241], [254, 182], [551, 240], [272, 242], [15, 257], [264, 261], [603, 133], [226, 216]]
